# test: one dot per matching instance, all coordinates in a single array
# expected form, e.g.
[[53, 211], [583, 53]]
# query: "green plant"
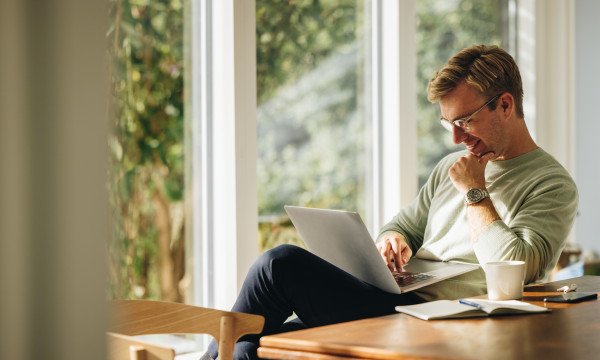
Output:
[[145, 179]]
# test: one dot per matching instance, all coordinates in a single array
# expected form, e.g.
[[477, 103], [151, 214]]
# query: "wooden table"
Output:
[[570, 331]]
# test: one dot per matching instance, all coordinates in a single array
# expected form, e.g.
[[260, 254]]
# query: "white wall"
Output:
[[587, 126], [53, 202]]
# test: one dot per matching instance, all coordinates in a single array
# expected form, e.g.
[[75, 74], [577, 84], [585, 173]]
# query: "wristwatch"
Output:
[[474, 196]]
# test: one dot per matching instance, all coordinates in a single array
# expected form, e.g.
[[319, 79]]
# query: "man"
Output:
[[503, 198], [529, 201]]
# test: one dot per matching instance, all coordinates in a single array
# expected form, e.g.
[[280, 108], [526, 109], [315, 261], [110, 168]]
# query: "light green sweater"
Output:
[[533, 194]]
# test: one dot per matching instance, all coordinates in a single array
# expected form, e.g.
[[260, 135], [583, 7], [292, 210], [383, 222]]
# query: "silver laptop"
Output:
[[341, 238]]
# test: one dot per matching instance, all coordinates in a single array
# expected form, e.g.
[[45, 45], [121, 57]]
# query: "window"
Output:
[[312, 120]]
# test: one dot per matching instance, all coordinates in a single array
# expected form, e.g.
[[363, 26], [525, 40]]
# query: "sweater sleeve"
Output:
[[412, 220], [538, 232]]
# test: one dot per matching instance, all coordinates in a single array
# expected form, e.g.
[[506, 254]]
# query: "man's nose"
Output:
[[458, 135]]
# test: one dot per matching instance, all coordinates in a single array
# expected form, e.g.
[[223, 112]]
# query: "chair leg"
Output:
[[226, 340]]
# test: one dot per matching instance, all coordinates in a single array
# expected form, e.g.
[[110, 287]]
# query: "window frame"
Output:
[[222, 206], [545, 54]]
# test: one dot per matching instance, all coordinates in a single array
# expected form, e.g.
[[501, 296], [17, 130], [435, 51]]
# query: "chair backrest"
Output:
[[144, 317]]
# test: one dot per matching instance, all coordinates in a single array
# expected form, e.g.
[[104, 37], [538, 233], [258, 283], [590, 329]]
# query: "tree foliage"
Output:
[[307, 89], [311, 138], [293, 37], [146, 149]]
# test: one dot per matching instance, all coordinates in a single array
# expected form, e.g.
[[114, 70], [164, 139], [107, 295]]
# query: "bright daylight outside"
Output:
[[313, 118]]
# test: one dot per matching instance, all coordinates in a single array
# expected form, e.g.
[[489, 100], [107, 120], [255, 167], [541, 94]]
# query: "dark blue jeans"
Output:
[[290, 279]]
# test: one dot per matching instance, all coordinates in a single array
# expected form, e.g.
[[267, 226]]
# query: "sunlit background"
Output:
[[314, 136]]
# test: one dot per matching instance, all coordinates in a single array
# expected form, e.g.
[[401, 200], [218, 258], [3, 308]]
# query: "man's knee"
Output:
[[285, 251], [281, 255], [277, 266]]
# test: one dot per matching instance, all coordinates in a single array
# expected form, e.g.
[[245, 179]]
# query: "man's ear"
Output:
[[506, 104]]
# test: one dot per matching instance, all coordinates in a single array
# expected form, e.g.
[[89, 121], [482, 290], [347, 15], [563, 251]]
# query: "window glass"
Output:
[[444, 27], [145, 180], [312, 133]]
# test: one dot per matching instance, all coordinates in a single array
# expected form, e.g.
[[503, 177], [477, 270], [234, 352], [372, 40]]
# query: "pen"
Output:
[[470, 303]]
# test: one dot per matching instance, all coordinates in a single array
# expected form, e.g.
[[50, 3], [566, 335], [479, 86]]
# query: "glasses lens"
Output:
[[446, 124], [461, 124]]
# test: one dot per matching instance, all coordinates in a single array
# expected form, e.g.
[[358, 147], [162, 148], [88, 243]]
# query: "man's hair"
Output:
[[488, 69]]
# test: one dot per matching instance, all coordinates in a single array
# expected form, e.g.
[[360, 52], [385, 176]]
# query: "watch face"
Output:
[[475, 195]]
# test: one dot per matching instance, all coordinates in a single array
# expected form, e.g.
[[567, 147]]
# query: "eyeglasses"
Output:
[[463, 124]]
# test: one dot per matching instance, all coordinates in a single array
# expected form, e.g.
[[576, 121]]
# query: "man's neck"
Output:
[[521, 142]]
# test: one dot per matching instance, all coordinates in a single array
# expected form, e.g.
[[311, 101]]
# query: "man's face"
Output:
[[486, 133]]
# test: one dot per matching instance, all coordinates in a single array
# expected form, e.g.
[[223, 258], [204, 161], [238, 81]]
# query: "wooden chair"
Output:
[[143, 317]]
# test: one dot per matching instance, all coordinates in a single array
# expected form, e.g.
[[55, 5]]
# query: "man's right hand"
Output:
[[394, 250]]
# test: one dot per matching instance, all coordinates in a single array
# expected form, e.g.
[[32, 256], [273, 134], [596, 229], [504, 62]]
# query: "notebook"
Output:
[[341, 238], [446, 309]]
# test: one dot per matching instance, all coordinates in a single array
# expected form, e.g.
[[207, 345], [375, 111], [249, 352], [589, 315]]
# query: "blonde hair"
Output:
[[489, 69]]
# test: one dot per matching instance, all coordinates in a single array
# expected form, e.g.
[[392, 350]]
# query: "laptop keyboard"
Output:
[[408, 278]]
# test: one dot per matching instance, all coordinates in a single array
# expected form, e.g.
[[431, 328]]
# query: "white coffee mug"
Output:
[[505, 279]]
